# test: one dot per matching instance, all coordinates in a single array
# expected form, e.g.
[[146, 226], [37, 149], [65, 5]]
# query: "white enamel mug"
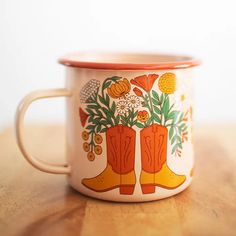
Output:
[[129, 125]]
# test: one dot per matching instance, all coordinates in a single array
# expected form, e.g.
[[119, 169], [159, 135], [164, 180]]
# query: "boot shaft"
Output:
[[121, 148], [153, 147]]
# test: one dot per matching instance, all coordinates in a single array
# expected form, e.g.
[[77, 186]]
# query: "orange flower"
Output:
[[83, 116], [143, 116], [119, 89], [138, 92], [145, 81]]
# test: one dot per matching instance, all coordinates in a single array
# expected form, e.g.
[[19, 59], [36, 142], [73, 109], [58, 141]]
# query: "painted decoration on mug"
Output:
[[111, 111]]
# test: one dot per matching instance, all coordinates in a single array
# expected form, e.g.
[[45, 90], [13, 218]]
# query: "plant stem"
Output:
[[151, 105], [132, 117], [92, 142]]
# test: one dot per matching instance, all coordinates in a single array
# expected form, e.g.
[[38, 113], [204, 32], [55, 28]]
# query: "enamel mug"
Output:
[[128, 125]]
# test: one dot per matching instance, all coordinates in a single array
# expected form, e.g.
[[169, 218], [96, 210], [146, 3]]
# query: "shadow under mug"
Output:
[[129, 125]]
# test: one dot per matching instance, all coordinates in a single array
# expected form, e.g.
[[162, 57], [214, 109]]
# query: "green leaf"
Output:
[[98, 128], [181, 117], [103, 130], [117, 120], [171, 132], [90, 127], [156, 118], [176, 118], [115, 78], [129, 116], [174, 148], [155, 95], [99, 112], [166, 106], [123, 117], [105, 110], [103, 122], [96, 121], [139, 125], [113, 107], [174, 139], [89, 111], [179, 139], [182, 126], [107, 99], [149, 121], [106, 85], [162, 98], [90, 119], [93, 106], [102, 100], [155, 102], [173, 115], [157, 110], [180, 145]]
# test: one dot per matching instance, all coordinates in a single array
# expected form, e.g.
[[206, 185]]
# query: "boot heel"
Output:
[[148, 188], [127, 189]]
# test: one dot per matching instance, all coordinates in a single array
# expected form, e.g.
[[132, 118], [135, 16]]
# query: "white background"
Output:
[[33, 34]]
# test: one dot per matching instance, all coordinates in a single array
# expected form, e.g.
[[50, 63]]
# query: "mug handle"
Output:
[[20, 114]]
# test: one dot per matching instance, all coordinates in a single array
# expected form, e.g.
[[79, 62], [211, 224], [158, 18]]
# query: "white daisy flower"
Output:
[[122, 107], [88, 89], [133, 101], [182, 99]]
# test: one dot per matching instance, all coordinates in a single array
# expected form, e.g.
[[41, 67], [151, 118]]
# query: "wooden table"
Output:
[[35, 203]]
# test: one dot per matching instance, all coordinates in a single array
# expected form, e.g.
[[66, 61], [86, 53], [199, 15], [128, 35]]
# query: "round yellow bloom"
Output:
[[91, 156], [85, 135], [167, 83], [86, 147], [98, 138], [119, 89], [98, 149]]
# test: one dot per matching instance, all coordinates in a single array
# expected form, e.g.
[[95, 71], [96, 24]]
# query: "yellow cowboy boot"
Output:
[[155, 171], [109, 179], [119, 172], [165, 178]]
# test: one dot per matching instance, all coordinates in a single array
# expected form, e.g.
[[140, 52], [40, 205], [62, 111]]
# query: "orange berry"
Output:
[[86, 147], [98, 138], [85, 135], [91, 156], [98, 149]]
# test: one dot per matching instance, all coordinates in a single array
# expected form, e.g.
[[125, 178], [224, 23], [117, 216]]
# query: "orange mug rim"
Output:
[[128, 61]]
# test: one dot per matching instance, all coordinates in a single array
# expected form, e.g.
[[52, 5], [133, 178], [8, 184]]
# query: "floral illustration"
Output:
[[113, 111], [119, 89]]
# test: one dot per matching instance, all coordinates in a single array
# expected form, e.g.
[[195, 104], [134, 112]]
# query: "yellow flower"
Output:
[[167, 83], [86, 147], [119, 89], [85, 135], [91, 156], [98, 149], [143, 116], [98, 138]]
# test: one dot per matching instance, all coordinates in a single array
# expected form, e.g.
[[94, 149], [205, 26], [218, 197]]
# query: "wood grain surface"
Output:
[[35, 203]]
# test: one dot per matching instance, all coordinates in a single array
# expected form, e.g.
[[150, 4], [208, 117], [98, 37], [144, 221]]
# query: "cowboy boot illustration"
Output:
[[155, 171], [119, 172]]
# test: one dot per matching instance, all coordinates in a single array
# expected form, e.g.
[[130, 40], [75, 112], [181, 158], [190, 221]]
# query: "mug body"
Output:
[[129, 132]]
